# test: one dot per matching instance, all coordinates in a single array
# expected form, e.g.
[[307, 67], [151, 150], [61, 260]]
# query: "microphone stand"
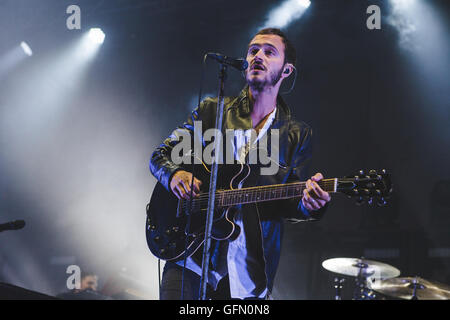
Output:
[[212, 184]]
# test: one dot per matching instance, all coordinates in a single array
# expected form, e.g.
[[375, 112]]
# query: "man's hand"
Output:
[[180, 184], [314, 197]]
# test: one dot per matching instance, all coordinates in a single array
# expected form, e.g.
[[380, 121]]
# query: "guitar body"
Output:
[[166, 224]]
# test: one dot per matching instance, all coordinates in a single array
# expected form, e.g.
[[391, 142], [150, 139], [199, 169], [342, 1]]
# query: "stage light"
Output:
[[304, 3], [284, 14], [26, 48], [96, 35]]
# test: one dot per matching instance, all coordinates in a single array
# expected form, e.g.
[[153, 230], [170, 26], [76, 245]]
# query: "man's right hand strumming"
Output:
[[181, 185]]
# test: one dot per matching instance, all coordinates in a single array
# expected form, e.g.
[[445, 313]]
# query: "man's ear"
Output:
[[288, 69]]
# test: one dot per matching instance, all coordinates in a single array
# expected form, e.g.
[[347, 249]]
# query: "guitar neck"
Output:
[[233, 197], [364, 187], [268, 193]]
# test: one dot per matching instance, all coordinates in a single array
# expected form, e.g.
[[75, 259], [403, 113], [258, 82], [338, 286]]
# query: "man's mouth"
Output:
[[257, 67]]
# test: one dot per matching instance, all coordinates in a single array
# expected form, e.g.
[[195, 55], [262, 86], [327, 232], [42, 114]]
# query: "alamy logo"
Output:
[[73, 22], [74, 280], [374, 21], [256, 149]]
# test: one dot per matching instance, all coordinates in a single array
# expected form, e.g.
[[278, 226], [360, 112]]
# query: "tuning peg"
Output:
[[361, 172], [366, 192], [372, 172], [360, 201], [370, 201], [381, 202], [383, 171]]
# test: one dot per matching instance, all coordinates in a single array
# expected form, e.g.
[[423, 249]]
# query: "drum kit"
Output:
[[373, 278]]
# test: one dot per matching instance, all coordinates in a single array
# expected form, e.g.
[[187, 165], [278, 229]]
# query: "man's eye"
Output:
[[269, 52], [253, 51]]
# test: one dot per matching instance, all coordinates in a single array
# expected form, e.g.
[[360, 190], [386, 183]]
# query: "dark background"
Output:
[[74, 155]]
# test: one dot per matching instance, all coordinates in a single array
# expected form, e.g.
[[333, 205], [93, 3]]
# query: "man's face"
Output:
[[89, 282], [265, 57]]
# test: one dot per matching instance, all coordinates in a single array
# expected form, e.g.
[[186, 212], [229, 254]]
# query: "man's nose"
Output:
[[257, 59], [259, 55]]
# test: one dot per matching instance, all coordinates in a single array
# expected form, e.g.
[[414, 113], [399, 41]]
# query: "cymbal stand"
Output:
[[338, 281], [415, 286], [362, 292]]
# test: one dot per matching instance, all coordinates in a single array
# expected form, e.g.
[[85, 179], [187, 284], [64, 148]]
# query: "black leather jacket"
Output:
[[294, 155]]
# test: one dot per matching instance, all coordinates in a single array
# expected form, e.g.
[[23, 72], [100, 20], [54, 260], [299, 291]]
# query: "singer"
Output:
[[245, 267]]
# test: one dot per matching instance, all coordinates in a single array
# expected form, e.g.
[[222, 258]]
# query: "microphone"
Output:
[[238, 63], [13, 225]]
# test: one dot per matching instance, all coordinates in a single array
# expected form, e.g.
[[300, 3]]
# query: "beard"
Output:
[[260, 84]]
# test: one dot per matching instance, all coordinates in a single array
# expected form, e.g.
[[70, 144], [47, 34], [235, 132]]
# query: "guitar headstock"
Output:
[[367, 187]]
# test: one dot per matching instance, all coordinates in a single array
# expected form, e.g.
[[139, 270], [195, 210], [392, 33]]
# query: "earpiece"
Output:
[[286, 71]]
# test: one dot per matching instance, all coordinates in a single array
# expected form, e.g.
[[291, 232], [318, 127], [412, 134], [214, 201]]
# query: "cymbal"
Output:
[[365, 268], [404, 288]]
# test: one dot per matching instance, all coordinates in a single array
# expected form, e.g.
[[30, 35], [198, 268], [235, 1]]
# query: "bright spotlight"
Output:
[[26, 48], [96, 35], [285, 13], [304, 3]]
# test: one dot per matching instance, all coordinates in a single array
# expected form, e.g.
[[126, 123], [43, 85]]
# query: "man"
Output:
[[245, 267], [87, 290]]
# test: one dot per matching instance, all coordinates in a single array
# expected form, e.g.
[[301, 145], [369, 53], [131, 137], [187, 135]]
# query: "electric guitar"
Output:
[[167, 216]]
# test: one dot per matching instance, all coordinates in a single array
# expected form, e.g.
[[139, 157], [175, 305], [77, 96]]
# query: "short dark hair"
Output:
[[290, 54], [85, 274]]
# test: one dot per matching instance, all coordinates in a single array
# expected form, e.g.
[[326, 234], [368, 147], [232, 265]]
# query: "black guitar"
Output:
[[167, 219]]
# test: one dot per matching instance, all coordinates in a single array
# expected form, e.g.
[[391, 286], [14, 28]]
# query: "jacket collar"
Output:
[[243, 104]]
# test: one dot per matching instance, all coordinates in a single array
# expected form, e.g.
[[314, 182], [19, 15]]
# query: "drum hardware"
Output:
[[338, 282], [364, 271], [362, 290]]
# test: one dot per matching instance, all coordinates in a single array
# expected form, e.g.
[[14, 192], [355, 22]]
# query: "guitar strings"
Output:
[[252, 191]]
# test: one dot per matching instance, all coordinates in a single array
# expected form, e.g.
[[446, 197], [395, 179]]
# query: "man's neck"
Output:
[[263, 102]]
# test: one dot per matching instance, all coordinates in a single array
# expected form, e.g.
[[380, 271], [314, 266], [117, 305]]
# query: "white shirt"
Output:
[[244, 260]]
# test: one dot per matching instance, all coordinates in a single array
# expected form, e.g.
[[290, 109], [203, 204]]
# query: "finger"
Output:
[[310, 188], [305, 194], [306, 204], [197, 185], [321, 203], [182, 191], [187, 187], [308, 184], [320, 193], [176, 193], [317, 190], [314, 203], [317, 177]]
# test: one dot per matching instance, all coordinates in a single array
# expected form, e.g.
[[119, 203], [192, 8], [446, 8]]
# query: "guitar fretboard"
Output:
[[233, 197]]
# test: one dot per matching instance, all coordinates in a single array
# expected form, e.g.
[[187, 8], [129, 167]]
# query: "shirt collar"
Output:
[[243, 103]]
